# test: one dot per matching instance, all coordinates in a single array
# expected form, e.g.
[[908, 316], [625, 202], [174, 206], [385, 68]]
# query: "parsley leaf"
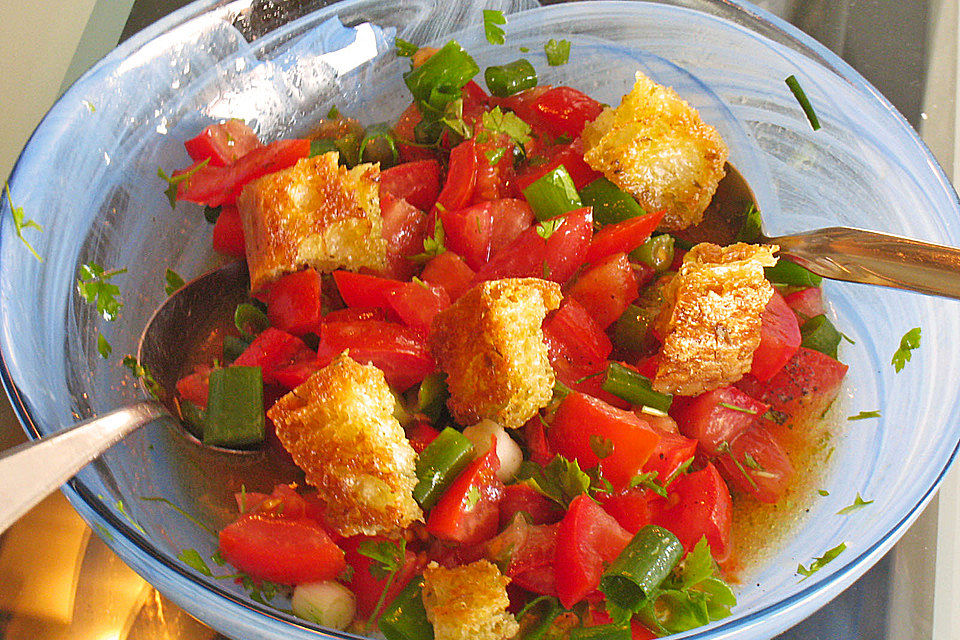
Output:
[[863, 415], [561, 480], [558, 52], [498, 121], [473, 497], [491, 29], [432, 245], [95, 287], [174, 282], [405, 49], [545, 229], [142, 372], [857, 504], [822, 561], [388, 558], [649, 480], [21, 222], [494, 155], [173, 182], [909, 342], [104, 347], [823, 492], [193, 559]]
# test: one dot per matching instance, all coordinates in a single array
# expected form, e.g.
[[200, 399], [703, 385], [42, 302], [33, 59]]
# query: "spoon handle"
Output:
[[33, 470], [855, 255]]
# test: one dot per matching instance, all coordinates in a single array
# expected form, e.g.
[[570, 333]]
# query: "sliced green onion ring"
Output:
[[635, 574], [552, 194]]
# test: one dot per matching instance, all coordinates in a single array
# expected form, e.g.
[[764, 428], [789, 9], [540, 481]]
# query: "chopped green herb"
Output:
[[558, 52], [601, 447], [494, 155], [95, 287], [212, 214], [21, 222], [752, 226], [123, 510], [734, 407], [909, 342], [193, 559], [561, 480], [857, 503], [863, 415], [724, 448], [801, 97], [751, 462], [174, 281], [90, 106], [819, 334], [173, 182], [524, 49], [676, 473], [388, 559], [777, 417], [649, 480], [545, 270], [103, 347], [405, 49], [822, 561], [432, 245], [823, 492], [143, 373], [473, 497], [498, 121], [546, 229], [492, 20]]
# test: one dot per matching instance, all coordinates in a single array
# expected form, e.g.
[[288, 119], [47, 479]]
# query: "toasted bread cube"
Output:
[[490, 344], [340, 429], [468, 602], [315, 213], [655, 147], [711, 317]]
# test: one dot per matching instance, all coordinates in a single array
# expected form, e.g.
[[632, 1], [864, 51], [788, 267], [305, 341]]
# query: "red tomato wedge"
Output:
[[806, 303], [448, 270], [270, 350], [526, 552], [536, 507], [294, 302], [294, 373], [416, 182], [671, 453], [716, 417], [368, 587], [416, 304], [404, 228], [421, 434], [399, 351], [287, 551], [228, 237], [632, 508], [700, 505], [468, 232], [195, 387], [605, 289], [364, 291], [468, 512], [461, 180], [588, 539], [583, 423], [779, 339], [496, 177], [764, 470], [563, 111], [223, 143], [511, 217], [215, 186], [623, 236]]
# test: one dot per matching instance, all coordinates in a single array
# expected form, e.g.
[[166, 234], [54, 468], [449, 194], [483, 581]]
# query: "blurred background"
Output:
[[59, 581]]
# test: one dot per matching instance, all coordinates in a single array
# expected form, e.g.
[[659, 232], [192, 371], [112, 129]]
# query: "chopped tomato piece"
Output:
[[403, 132], [605, 289], [584, 425], [421, 434], [417, 303], [521, 498], [806, 303], [623, 236], [511, 217], [716, 418], [564, 111], [700, 505], [294, 373], [284, 550], [270, 350], [779, 339], [536, 436], [448, 270], [764, 470], [468, 512], [363, 291], [588, 539], [576, 345], [522, 103], [671, 453], [461, 181], [416, 182], [496, 177], [195, 387], [228, 236], [215, 186], [468, 232], [570, 156], [368, 586], [223, 143], [294, 302], [633, 507], [404, 228], [526, 552], [399, 351]]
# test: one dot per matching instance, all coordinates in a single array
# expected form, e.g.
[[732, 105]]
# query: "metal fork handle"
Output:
[[856, 255], [33, 470]]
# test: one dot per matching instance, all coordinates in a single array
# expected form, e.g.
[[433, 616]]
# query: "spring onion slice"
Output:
[[647, 560], [612, 631], [234, 416], [657, 252], [790, 273], [405, 618], [634, 388], [801, 97], [507, 79], [432, 396], [439, 464], [610, 203], [250, 321], [552, 194], [631, 331], [439, 80]]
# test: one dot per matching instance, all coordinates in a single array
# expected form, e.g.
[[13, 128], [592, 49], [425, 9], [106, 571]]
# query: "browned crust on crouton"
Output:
[[468, 602], [655, 147], [490, 344], [315, 213], [711, 317], [340, 429]]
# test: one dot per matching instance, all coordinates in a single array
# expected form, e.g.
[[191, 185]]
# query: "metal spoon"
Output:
[[33, 470], [838, 253]]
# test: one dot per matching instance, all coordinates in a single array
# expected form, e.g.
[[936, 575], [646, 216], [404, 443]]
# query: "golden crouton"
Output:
[[490, 344], [315, 213], [340, 429], [711, 317], [468, 602], [655, 147]]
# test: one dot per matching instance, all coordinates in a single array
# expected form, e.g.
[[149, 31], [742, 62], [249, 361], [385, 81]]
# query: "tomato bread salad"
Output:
[[523, 404]]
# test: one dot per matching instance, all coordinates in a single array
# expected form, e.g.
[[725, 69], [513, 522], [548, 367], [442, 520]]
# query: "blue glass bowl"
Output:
[[89, 177]]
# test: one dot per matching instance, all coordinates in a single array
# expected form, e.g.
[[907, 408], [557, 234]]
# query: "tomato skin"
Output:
[[776, 471], [536, 437], [223, 143], [606, 288], [580, 416], [404, 228], [511, 217], [283, 550], [270, 350], [421, 434], [526, 552], [806, 303], [556, 258], [570, 156], [632, 508], [670, 454], [468, 232], [417, 304], [295, 372], [448, 270], [779, 338], [464, 518], [400, 352], [537, 507], [495, 180], [363, 291], [195, 387], [705, 419], [461, 180], [294, 302], [228, 237], [416, 182], [622, 236], [368, 588], [564, 111], [578, 348], [700, 505], [215, 186], [588, 538], [522, 103]]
